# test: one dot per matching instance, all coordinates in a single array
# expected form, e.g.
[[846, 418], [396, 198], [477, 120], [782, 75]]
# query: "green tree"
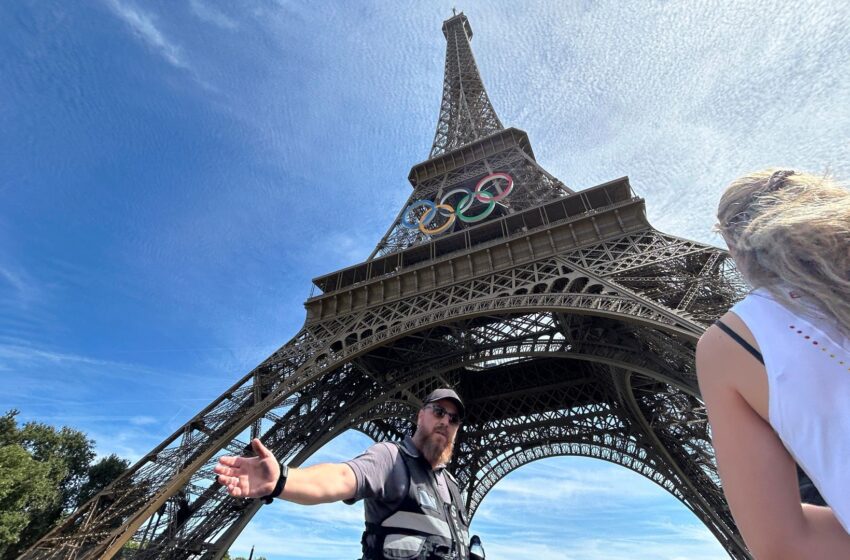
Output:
[[8, 428], [26, 486], [98, 477], [69, 450], [47, 473]]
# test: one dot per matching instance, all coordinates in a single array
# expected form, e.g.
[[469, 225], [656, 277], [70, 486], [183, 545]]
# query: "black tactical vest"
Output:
[[423, 527]]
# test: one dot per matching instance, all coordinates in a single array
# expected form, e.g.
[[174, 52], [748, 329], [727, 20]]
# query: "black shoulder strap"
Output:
[[405, 457], [737, 338], [456, 495]]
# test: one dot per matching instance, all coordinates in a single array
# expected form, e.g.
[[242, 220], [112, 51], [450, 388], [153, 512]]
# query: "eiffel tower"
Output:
[[564, 319]]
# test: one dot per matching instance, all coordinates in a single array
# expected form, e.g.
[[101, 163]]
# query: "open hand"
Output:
[[249, 477]]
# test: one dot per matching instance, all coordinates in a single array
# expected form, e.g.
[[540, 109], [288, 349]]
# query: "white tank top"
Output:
[[808, 372]]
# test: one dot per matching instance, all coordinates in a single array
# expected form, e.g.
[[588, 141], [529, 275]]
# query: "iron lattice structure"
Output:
[[565, 320]]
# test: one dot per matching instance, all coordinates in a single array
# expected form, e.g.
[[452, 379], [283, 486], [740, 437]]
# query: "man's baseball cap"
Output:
[[445, 393]]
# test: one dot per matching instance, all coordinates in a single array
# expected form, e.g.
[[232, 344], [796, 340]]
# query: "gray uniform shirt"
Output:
[[382, 479]]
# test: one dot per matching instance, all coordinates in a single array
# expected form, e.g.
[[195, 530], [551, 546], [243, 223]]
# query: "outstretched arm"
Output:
[[254, 477], [758, 474]]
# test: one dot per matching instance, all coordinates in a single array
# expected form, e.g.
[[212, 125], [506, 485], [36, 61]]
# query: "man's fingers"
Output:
[[230, 461], [260, 449], [227, 471], [227, 481], [232, 485]]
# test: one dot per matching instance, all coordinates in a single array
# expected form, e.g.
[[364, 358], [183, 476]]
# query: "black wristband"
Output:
[[278, 488]]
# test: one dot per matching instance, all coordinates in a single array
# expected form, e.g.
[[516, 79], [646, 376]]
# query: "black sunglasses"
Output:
[[439, 412]]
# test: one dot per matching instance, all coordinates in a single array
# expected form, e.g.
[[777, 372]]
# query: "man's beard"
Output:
[[436, 450]]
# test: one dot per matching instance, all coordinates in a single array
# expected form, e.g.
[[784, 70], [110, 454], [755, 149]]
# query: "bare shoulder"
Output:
[[713, 353], [716, 344], [724, 366]]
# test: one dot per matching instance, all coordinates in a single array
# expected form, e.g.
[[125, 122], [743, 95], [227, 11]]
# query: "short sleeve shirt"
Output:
[[382, 479]]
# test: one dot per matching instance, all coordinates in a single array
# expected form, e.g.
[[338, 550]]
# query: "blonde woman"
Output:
[[775, 370]]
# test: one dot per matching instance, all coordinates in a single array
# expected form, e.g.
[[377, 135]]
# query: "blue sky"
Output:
[[173, 174]]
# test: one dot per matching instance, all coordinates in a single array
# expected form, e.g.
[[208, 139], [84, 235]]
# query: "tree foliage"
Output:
[[47, 473], [26, 486], [98, 476]]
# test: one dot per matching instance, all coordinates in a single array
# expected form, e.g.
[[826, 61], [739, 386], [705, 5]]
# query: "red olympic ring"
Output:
[[502, 192]]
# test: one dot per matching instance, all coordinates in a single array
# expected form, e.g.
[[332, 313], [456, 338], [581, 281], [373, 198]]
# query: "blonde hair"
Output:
[[790, 228]]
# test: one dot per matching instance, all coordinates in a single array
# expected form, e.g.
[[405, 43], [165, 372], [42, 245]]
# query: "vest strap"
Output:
[[425, 524]]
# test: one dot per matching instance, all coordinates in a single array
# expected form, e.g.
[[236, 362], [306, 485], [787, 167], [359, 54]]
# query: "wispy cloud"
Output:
[[143, 420], [23, 289], [26, 355], [210, 15], [345, 248], [573, 484], [274, 535], [12, 279], [78, 380], [131, 443], [334, 515], [143, 25], [566, 547]]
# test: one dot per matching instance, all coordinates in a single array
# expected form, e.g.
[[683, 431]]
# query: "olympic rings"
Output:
[[460, 207], [458, 212]]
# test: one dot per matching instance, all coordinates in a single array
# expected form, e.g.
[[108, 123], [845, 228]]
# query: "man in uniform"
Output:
[[413, 504]]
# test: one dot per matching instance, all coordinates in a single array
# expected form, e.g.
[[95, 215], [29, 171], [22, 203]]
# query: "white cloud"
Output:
[[334, 515], [273, 536], [211, 15], [585, 508], [347, 247], [573, 484], [143, 25], [131, 444], [563, 547], [123, 406], [28, 356], [143, 420], [24, 293], [12, 279]]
